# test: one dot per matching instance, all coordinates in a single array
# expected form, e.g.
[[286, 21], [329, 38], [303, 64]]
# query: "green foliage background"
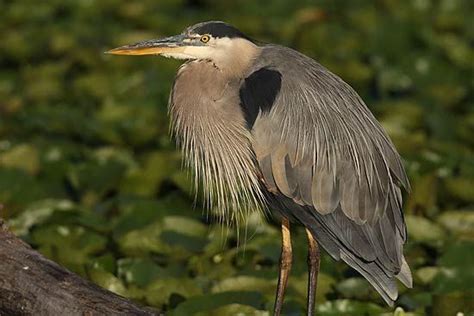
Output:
[[89, 176]]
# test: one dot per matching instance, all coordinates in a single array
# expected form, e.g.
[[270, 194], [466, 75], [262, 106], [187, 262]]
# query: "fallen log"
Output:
[[30, 284]]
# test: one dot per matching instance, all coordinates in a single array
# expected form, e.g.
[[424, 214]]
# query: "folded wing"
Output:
[[321, 152]]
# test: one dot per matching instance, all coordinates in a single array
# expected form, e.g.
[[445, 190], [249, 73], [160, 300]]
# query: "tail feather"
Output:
[[405, 274], [385, 285], [337, 235]]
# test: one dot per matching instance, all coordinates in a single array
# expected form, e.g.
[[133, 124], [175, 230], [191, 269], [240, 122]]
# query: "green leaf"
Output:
[[424, 230], [143, 241], [347, 308], [210, 302], [107, 280], [136, 214], [357, 288], [143, 271], [461, 223], [13, 194], [399, 312], [325, 286], [95, 178], [106, 262], [183, 241], [24, 157], [69, 245], [37, 213], [147, 180], [242, 283], [160, 291], [456, 273], [426, 275], [234, 309], [185, 225]]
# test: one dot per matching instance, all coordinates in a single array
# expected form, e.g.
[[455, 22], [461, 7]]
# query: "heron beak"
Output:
[[172, 44]]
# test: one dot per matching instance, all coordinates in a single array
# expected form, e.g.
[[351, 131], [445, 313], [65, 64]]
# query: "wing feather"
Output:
[[329, 164], [282, 171], [325, 196]]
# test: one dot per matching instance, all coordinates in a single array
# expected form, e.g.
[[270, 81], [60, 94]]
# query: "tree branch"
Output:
[[30, 284]]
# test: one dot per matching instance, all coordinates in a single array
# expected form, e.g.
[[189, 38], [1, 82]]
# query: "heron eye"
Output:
[[205, 38]]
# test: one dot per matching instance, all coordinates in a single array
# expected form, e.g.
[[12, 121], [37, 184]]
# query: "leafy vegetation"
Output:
[[89, 176]]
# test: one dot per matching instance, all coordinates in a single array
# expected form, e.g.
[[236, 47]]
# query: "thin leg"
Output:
[[285, 265], [313, 265]]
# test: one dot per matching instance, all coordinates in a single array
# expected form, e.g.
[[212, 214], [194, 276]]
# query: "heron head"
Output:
[[215, 41]]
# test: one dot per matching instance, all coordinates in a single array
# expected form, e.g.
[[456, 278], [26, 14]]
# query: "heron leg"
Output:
[[286, 259], [313, 266]]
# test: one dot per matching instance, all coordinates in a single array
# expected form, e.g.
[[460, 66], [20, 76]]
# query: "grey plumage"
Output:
[[215, 144], [356, 172], [267, 129]]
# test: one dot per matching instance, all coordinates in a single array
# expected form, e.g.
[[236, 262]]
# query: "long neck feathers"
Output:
[[210, 129]]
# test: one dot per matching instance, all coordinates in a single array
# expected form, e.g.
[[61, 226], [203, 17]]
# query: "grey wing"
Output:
[[326, 158]]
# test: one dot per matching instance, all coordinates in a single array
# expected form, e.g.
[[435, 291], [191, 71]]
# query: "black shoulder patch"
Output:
[[218, 29], [258, 93]]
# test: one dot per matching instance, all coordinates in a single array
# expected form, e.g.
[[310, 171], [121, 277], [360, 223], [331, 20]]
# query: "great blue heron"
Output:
[[266, 128]]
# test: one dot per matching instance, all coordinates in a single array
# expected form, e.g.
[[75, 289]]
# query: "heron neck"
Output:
[[235, 62]]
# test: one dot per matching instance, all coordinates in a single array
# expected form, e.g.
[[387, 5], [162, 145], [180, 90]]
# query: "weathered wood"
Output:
[[30, 284]]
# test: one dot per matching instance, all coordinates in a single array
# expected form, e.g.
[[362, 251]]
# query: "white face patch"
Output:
[[200, 52], [231, 55], [178, 56], [216, 49]]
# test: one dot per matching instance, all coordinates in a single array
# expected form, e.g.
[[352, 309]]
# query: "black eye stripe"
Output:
[[218, 29]]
